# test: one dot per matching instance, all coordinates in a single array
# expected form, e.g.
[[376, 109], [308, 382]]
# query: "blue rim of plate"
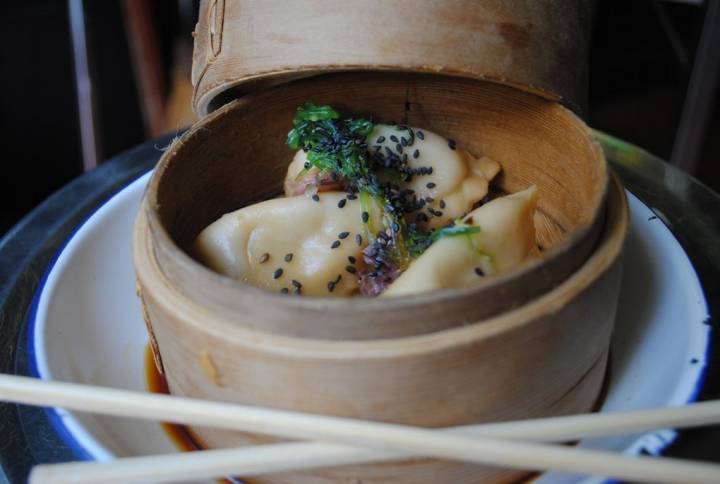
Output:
[[82, 453], [53, 414]]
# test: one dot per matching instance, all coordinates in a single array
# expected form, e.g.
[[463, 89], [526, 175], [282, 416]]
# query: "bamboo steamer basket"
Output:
[[530, 343], [545, 358], [434, 360]]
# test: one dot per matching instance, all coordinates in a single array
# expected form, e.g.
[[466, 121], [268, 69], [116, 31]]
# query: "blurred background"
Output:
[[85, 80]]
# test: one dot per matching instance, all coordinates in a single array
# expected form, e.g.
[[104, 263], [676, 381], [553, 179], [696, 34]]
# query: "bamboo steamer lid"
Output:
[[540, 46]]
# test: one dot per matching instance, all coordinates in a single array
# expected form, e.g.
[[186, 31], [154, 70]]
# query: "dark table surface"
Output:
[[691, 211]]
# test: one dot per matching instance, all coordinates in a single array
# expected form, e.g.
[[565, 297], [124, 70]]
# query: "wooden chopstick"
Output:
[[285, 457], [275, 458], [379, 436], [151, 406]]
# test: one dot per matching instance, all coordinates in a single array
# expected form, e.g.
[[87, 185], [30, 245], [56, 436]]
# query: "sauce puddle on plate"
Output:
[[179, 435]]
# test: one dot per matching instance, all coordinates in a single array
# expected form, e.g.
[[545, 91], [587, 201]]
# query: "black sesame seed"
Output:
[[288, 257], [284, 290], [380, 139], [264, 258], [429, 199], [365, 217], [442, 203], [343, 235], [352, 196], [337, 279], [403, 141], [331, 286], [278, 272], [394, 138], [431, 185], [479, 272], [352, 259], [451, 144], [416, 154], [429, 170], [399, 148], [296, 283], [342, 203], [420, 134], [335, 244], [350, 269], [358, 239], [306, 165], [316, 197]]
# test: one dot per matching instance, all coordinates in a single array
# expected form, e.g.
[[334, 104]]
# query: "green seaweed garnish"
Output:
[[453, 231], [333, 144], [419, 241]]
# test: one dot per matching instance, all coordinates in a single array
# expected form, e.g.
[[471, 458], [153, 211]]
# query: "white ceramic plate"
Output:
[[86, 327]]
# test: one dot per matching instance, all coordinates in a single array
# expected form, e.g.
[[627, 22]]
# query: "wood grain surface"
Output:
[[539, 46]]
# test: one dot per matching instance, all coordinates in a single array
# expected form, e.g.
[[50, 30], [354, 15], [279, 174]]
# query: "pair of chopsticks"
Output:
[[342, 441]]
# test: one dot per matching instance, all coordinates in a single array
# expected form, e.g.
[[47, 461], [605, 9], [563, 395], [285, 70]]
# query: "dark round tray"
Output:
[[691, 211]]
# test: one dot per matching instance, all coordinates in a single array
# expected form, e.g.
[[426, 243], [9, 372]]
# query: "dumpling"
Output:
[[506, 238], [457, 179], [453, 182], [295, 245]]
